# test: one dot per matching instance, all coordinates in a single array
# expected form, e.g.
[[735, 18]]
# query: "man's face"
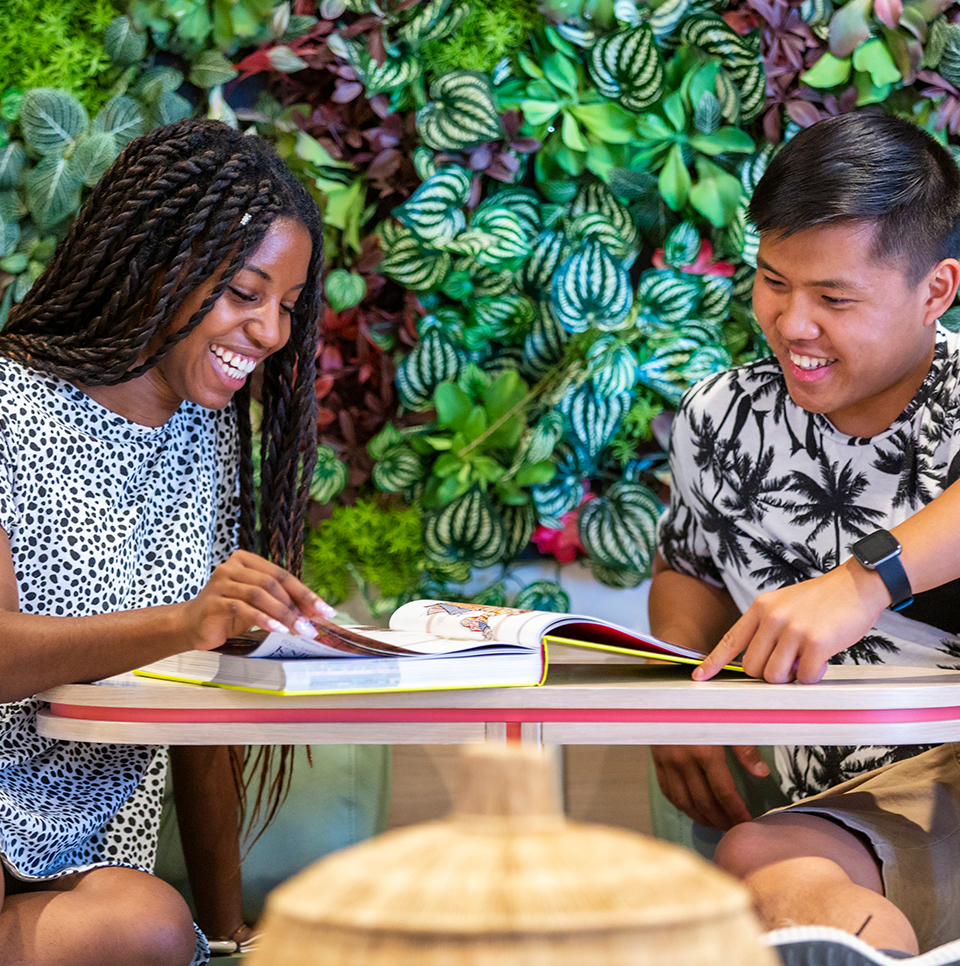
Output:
[[854, 339]]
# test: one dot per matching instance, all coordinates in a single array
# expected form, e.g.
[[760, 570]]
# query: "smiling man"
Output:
[[780, 467]]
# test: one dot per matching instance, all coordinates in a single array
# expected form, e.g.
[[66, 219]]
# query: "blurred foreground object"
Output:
[[507, 880]]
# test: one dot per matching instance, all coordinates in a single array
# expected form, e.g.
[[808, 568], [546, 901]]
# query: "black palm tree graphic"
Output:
[[866, 651], [754, 485], [832, 501], [912, 459], [951, 647], [730, 551]]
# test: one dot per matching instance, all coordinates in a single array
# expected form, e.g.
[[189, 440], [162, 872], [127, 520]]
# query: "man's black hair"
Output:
[[866, 167]]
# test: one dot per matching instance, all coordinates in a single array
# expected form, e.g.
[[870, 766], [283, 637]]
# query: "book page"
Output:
[[377, 642], [474, 622]]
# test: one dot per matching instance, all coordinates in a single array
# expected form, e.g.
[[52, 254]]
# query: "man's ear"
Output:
[[941, 289]]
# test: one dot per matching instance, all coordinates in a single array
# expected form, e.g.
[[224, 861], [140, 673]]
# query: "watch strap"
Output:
[[898, 584]]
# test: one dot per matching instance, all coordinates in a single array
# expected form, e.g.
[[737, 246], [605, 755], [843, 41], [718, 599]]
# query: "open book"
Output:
[[430, 644]]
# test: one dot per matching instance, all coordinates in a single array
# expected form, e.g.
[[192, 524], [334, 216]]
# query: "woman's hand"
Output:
[[244, 591], [791, 633]]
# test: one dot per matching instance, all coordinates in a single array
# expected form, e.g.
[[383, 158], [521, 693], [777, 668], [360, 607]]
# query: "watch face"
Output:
[[876, 546]]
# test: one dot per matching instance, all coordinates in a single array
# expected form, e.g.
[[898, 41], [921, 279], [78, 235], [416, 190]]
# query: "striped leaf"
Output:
[[13, 159], [711, 34], [695, 331], [620, 577], [501, 315], [467, 529], [728, 96], [543, 595], [407, 263], [519, 523], [398, 468], [523, 202], [816, 12], [627, 67], [613, 366], [682, 245], [715, 300], [591, 290], [667, 17], [123, 43], [753, 168], [563, 493], [592, 419], [122, 118], [667, 297], [463, 112], [432, 360], [503, 359], [672, 368], [53, 191], [598, 225], [446, 25], [543, 438], [707, 113], [619, 529], [91, 157], [496, 238], [743, 281], [433, 212], [329, 476], [488, 284], [394, 73], [426, 16], [626, 12], [543, 346], [51, 120], [549, 249]]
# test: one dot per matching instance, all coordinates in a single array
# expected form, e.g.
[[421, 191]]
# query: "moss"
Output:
[[378, 549], [493, 30], [57, 43]]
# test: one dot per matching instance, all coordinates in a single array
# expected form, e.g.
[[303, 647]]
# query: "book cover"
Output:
[[430, 644]]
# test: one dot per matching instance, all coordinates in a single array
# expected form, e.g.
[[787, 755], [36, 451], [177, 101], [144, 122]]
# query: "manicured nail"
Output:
[[325, 609], [305, 629], [273, 625]]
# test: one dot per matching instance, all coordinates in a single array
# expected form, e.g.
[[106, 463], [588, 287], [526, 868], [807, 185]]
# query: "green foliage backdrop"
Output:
[[536, 230]]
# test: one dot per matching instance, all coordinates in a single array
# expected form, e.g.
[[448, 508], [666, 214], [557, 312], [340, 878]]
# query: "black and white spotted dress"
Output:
[[103, 515]]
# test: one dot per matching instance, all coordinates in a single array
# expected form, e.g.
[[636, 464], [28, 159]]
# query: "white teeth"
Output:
[[809, 362], [235, 365]]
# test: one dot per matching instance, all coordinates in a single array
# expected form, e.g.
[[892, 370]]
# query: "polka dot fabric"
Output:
[[103, 515]]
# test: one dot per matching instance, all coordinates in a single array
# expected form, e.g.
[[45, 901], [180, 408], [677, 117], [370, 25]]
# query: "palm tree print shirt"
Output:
[[765, 494]]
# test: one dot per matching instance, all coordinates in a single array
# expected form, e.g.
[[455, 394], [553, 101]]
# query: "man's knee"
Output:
[[748, 847]]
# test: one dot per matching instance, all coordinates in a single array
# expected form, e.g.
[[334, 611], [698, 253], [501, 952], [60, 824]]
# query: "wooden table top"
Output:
[[579, 704]]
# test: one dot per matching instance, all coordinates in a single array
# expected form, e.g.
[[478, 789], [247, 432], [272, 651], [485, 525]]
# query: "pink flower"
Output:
[[702, 265], [563, 543]]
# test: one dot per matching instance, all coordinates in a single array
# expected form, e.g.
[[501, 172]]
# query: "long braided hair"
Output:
[[180, 205]]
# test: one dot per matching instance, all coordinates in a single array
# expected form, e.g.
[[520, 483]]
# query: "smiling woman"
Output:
[[126, 486]]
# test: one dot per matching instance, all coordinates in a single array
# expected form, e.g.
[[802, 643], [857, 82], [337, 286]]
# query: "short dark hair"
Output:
[[866, 167]]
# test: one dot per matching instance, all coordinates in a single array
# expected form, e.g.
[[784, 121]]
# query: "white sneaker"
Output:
[[825, 946]]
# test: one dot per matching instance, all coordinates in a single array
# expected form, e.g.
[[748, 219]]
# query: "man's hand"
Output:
[[791, 633], [696, 779]]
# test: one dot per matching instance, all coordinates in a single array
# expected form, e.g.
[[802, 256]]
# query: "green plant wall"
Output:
[[536, 232]]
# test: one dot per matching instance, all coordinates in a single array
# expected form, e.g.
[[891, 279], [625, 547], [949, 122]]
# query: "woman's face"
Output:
[[249, 322]]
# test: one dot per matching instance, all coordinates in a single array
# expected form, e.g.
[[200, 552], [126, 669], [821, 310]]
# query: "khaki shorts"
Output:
[[910, 812]]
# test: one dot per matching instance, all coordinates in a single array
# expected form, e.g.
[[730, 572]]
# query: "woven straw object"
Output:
[[505, 881]]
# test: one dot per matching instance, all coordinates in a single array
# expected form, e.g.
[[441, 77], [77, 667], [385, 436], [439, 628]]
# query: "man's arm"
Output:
[[791, 633], [695, 778]]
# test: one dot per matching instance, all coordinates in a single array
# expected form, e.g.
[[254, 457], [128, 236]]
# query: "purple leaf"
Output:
[[849, 28], [888, 12], [346, 92], [480, 157]]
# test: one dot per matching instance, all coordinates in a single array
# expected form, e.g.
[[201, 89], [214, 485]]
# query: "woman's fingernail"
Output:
[[305, 629], [273, 625], [325, 609]]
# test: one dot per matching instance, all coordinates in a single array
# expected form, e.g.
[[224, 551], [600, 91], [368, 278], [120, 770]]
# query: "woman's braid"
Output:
[[184, 204]]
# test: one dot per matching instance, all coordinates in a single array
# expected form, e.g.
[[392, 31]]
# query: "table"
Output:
[[579, 704]]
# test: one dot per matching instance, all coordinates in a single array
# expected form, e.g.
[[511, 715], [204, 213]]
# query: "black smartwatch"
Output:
[[880, 551]]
